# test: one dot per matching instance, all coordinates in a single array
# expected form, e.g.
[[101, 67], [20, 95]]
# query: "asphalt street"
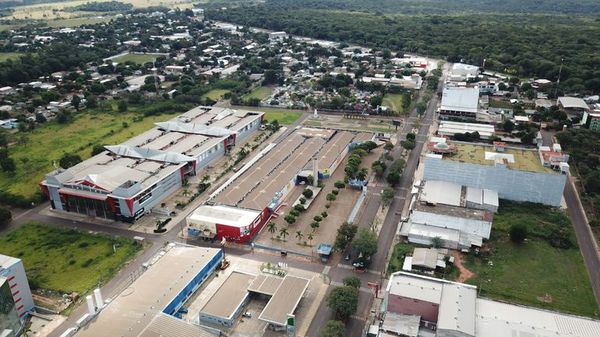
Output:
[[356, 324], [585, 238]]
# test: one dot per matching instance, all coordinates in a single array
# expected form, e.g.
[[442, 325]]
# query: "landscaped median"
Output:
[[63, 261]]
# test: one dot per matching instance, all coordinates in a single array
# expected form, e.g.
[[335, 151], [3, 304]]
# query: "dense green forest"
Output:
[[584, 147], [526, 45], [57, 57], [108, 6], [444, 6]]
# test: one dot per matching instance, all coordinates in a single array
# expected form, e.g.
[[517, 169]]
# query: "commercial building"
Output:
[[462, 72], [449, 129], [518, 174], [592, 120], [127, 180], [572, 105], [459, 103], [241, 206], [458, 228], [229, 300], [281, 294], [16, 302], [147, 308], [436, 192], [285, 295], [423, 306]]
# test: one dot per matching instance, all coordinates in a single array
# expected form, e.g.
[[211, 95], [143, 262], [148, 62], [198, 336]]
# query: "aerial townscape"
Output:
[[318, 168]]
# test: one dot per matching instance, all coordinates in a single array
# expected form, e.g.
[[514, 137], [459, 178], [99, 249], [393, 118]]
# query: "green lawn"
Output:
[[8, 56], [525, 273], [215, 94], [397, 259], [49, 142], [501, 104], [136, 58], [283, 116], [66, 260], [260, 93], [394, 102]]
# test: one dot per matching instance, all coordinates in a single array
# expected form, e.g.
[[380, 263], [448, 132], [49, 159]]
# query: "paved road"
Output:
[[585, 238], [356, 324]]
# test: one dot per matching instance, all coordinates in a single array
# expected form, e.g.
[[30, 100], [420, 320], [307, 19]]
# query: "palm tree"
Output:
[[272, 228], [283, 233], [310, 237], [299, 235], [185, 192]]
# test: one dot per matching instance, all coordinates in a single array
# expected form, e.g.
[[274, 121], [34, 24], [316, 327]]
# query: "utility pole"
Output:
[[558, 80]]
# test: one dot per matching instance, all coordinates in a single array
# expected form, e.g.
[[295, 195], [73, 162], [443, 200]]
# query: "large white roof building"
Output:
[[459, 102], [453, 309]]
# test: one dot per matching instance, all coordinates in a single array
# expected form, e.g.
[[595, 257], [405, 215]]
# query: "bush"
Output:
[[339, 184], [318, 218], [331, 197], [302, 200], [307, 193], [299, 208], [352, 281], [518, 233], [290, 219], [5, 216], [294, 212], [324, 214], [335, 192]]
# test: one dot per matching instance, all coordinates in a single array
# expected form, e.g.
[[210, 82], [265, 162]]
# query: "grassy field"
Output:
[[533, 273], [215, 94], [76, 22], [136, 58], [8, 56], [394, 102], [526, 273], [66, 260], [260, 93], [51, 11], [284, 117], [49, 142]]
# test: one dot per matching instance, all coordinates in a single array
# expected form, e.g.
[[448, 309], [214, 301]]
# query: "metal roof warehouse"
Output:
[[160, 291], [127, 180], [261, 185]]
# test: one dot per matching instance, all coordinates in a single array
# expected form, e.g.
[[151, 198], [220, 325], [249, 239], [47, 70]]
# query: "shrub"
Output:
[[518, 233], [339, 184], [290, 219], [324, 214], [318, 218], [307, 193], [294, 212], [314, 225], [335, 192], [302, 200], [331, 197], [299, 208]]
